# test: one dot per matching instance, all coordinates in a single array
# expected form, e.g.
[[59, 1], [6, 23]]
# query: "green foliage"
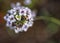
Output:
[[49, 19], [51, 41], [52, 28], [0, 0], [53, 24]]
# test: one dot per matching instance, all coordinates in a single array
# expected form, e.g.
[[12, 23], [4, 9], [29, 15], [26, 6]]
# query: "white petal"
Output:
[[33, 14], [29, 16], [16, 31], [12, 5], [12, 11], [25, 27], [27, 2], [18, 4], [20, 29], [11, 16], [30, 24], [8, 19], [5, 17], [7, 25], [12, 27], [29, 11]]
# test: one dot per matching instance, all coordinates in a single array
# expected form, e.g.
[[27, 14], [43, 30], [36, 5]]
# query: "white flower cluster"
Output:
[[19, 18]]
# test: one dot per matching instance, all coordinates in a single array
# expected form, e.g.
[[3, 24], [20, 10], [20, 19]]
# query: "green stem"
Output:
[[52, 19]]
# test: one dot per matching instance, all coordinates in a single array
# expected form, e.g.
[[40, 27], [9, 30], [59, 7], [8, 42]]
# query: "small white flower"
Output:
[[25, 27], [19, 18], [18, 4], [27, 2], [16, 31], [8, 24]]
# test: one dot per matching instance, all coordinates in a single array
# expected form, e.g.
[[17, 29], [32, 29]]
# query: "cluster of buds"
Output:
[[19, 18]]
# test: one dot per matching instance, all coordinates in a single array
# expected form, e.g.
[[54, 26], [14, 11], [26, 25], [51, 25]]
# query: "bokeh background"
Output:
[[46, 28]]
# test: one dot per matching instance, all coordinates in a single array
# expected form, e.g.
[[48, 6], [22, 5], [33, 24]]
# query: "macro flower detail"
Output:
[[19, 18]]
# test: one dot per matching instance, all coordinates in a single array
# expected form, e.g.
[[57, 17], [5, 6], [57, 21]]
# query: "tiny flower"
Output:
[[27, 2], [19, 18], [25, 27]]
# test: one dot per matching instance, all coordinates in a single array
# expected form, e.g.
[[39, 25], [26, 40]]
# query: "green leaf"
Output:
[[49, 19], [53, 24], [52, 28]]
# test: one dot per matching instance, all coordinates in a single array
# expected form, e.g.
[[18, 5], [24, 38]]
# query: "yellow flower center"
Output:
[[18, 17]]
